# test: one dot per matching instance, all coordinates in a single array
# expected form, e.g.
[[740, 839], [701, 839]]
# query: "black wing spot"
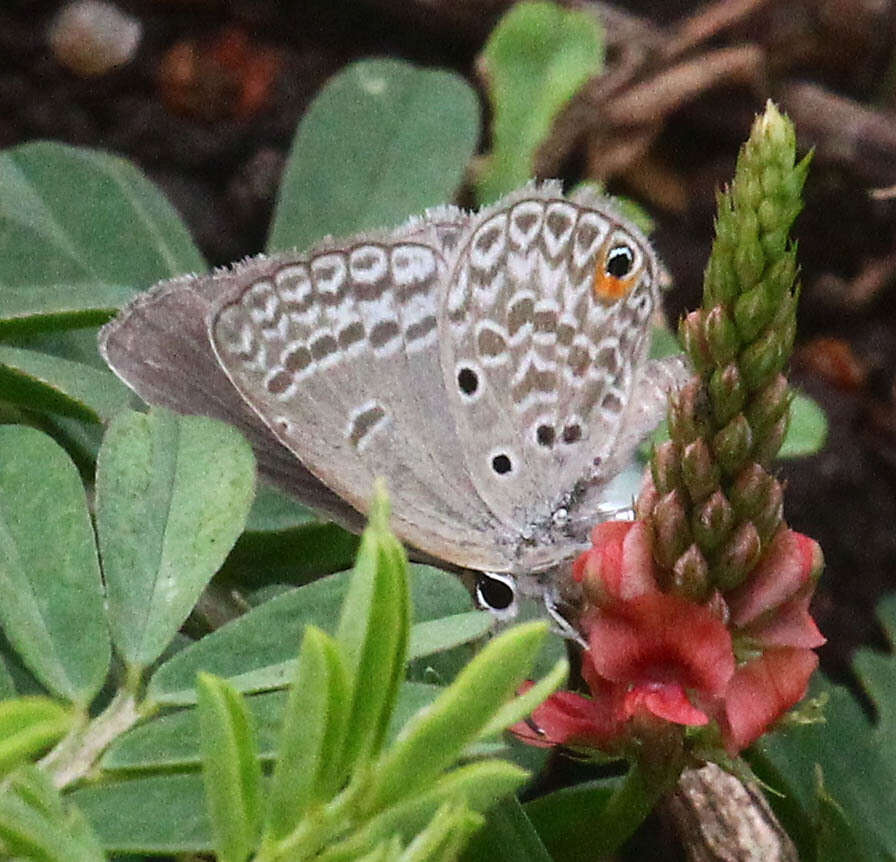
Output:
[[494, 593], [502, 464], [468, 381], [545, 436], [620, 261]]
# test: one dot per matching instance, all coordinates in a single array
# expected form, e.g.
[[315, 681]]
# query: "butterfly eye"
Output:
[[620, 261]]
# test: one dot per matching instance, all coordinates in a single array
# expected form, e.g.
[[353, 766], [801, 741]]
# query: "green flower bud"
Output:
[[737, 557], [727, 393], [752, 311], [770, 517], [665, 467], [750, 490], [671, 534], [733, 444], [712, 521], [768, 405], [699, 472], [690, 334], [690, 575], [721, 335], [769, 443], [764, 357], [689, 412]]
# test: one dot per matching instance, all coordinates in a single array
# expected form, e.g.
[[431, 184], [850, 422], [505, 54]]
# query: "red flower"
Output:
[[762, 691], [658, 655]]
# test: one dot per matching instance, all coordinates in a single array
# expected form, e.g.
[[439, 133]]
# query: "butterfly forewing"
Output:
[[338, 354]]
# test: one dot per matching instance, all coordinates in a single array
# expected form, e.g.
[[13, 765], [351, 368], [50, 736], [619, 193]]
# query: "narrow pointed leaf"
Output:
[[314, 725], [230, 768], [433, 739], [382, 141], [374, 631], [173, 493], [51, 601], [508, 834], [517, 709]]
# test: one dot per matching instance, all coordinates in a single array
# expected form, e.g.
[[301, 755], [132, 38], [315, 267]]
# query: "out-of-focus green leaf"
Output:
[[43, 382], [171, 741], [309, 756], [172, 495], [154, 814], [374, 630], [256, 652], [508, 835], [35, 824], [808, 428], [856, 759], [80, 232], [434, 739], [230, 768], [51, 598], [382, 141], [564, 819], [28, 726], [535, 60]]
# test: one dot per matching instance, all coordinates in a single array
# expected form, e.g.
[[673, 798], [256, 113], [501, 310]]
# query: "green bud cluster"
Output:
[[715, 505]]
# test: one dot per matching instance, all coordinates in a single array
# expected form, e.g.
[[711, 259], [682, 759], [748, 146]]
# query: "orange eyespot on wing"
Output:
[[614, 274]]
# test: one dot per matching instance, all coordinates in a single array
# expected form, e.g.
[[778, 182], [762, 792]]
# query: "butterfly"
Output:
[[492, 367]]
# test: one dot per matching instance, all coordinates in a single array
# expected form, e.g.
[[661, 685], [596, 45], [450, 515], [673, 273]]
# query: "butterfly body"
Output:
[[492, 367]]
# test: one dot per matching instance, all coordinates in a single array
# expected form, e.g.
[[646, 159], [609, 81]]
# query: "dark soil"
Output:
[[218, 155]]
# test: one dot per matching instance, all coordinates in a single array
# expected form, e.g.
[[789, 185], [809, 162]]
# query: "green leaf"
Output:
[[517, 709], [856, 758], [29, 726], [314, 726], [171, 741], [35, 823], [445, 835], [51, 600], [172, 495], [479, 785], [808, 428], [81, 231], [508, 835], [266, 636], [433, 739], [383, 140], [565, 818], [157, 814], [230, 768], [374, 629], [256, 652], [535, 60], [43, 382], [438, 635]]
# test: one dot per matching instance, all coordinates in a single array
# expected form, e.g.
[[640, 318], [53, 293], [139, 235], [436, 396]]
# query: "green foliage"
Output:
[[535, 60], [382, 141], [838, 778]]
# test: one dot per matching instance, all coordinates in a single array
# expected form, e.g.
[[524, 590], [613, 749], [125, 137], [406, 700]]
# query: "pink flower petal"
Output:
[[762, 691], [661, 638], [619, 565], [669, 702], [783, 571], [791, 625]]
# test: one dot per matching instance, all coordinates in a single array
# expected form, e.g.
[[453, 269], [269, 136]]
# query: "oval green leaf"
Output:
[[82, 232], [51, 597], [382, 141], [172, 495]]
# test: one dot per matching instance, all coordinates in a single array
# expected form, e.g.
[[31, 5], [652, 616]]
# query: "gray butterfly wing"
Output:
[[337, 352], [159, 346], [540, 355]]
